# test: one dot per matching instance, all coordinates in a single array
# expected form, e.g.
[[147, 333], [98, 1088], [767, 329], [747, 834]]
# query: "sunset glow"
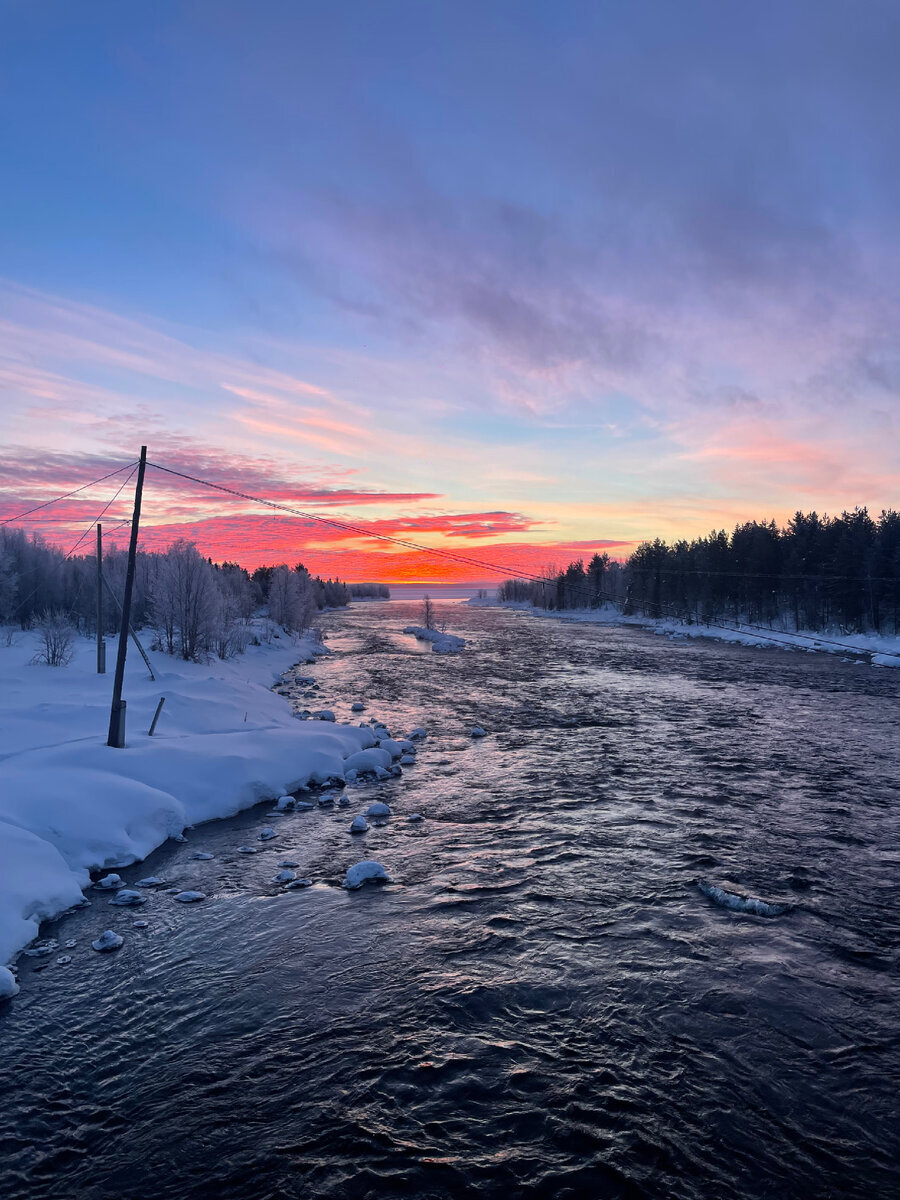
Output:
[[370, 278]]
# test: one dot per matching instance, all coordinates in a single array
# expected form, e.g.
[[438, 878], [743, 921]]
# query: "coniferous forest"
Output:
[[816, 572]]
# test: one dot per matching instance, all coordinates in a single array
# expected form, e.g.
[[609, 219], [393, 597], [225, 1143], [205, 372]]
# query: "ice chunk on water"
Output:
[[127, 897], [284, 877], [108, 940], [40, 949], [478, 732], [246, 849], [150, 881], [267, 834], [364, 872], [71, 944], [284, 802], [738, 903], [359, 824], [202, 856], [190, 897], [63, 960], [297, 884], [378, 809]]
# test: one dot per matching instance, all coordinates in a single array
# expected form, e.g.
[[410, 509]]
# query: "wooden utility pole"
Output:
[[117, 709], [101, 645]]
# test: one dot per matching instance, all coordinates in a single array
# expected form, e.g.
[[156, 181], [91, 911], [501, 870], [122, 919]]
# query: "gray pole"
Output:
[[101, 645], [117, 708]]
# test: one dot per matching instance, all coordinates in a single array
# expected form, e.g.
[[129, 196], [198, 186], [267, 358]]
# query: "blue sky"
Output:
[[619, 269]]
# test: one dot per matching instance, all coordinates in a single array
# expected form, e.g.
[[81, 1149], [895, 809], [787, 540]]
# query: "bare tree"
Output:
[[56, 645], [427, 613]]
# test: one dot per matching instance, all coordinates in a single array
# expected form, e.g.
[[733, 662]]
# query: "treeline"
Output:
[[194, 606], [814, 573], [370, 591]]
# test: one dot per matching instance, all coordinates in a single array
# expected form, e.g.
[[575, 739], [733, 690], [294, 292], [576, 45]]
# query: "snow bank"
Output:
[[883, 651], [69, 804]]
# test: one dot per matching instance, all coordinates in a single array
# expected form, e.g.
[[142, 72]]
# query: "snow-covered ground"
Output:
[[441, 642], [70, 804], [884, 651]]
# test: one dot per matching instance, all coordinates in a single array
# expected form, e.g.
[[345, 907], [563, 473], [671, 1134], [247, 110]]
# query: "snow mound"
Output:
[[127, 897], [738, 903], [190, 897], [110, 881], [441, 643], [108, 940], [378, 809], [284, 802], [368, 762], [364, 872], [8, 985], [359, 825]]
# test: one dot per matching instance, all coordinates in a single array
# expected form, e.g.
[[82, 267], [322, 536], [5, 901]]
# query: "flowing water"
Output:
[[543, 1003]]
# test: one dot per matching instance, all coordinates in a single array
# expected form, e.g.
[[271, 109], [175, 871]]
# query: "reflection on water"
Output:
[[543, 1003]]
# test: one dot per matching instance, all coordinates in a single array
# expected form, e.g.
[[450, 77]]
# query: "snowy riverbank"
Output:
[[883, 651], [69, 804]]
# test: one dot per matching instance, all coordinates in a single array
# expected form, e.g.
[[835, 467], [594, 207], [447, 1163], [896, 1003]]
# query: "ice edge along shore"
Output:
[[69, 804]]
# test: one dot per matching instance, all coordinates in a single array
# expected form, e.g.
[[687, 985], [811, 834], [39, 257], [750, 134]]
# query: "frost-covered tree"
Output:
[[185, 600]]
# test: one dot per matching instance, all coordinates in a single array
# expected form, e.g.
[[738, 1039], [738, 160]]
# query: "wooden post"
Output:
[[162, 701], [116, 736], [101, 645]]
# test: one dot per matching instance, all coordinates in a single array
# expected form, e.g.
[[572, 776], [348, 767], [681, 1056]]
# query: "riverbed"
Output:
[[543, 1002]]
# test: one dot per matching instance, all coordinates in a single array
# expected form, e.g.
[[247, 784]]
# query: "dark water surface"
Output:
[[543, 1003]]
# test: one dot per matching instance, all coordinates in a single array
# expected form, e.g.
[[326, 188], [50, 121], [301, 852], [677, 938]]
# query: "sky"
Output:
[[522, 281]]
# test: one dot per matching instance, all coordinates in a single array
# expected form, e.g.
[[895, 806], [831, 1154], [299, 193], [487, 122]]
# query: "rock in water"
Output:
[[378, 810], [288, 862], [246, 849], [64, 960], [108, 940], [267, 835], [190, 897], [297, 884], [150, 881], [415, 817], [127, 896], [359, 825], [202, 856], [364, 872], [358, 707], [110, 881], [284, 877], [417, 734], [325, 714], [478, 732]]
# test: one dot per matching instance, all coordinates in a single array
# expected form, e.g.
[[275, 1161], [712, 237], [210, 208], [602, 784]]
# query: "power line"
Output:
[[465, 559], [66, 495]]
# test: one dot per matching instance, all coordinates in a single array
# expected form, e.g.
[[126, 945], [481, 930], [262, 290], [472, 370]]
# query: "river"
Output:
[[542, 1003]]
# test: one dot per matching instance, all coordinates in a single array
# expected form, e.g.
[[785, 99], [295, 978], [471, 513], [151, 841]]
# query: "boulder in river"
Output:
[[378, 809], [368, 871], [359, 825], [108, 940]]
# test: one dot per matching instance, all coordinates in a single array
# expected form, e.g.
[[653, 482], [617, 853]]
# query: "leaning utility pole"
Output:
[[101, 645], [117, 710]]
